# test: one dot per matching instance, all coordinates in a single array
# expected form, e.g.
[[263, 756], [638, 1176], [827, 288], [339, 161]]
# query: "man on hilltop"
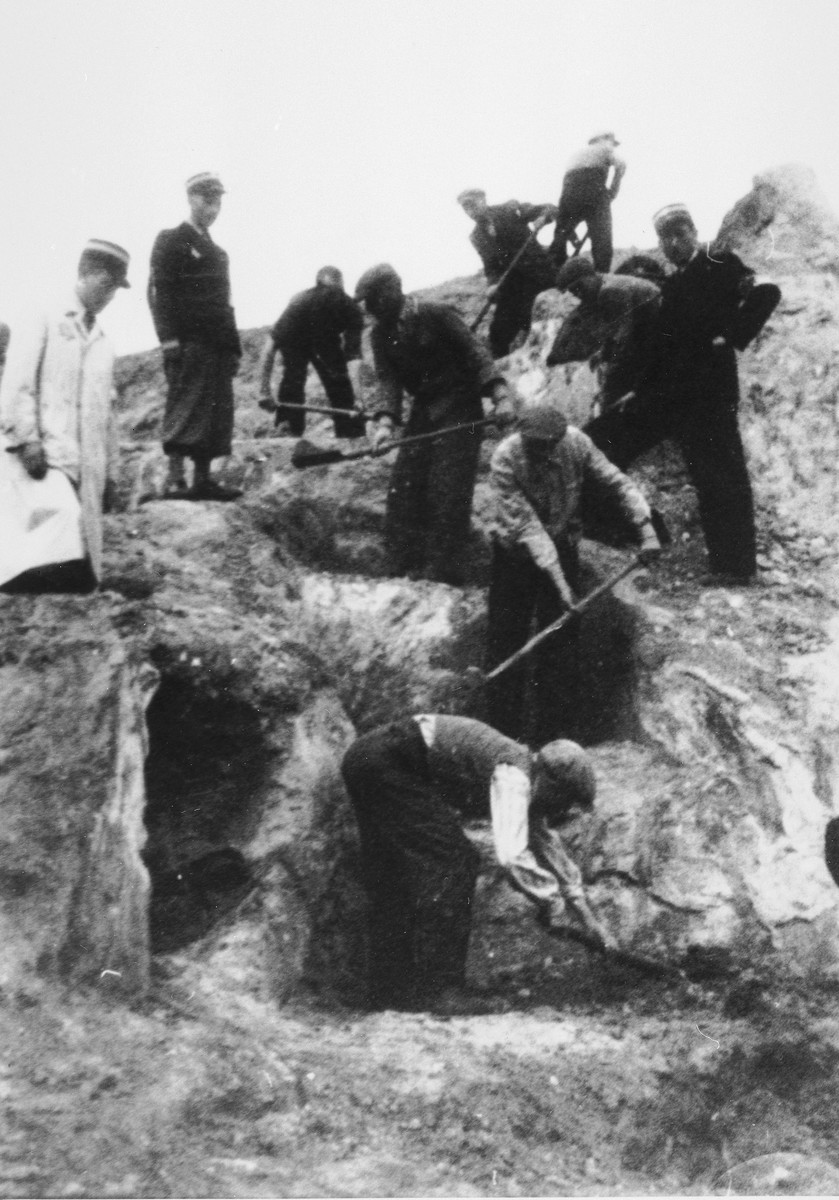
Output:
[[592, 181], [189, 296], [710, 308], [516, 266], [321, 326]]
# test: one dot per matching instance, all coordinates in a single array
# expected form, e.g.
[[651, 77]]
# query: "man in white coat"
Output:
[[57, 429]]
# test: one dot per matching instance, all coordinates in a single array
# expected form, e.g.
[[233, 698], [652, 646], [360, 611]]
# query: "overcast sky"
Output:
[[344, 129]]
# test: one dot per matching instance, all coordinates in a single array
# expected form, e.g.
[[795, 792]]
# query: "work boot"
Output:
[[210, 489]]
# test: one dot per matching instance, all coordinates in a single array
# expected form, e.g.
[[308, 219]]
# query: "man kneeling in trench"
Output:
[[411, 782]]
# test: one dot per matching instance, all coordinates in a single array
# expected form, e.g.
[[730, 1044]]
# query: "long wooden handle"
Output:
[[307, 455], [488, 304], [649, 966], [583, 604]]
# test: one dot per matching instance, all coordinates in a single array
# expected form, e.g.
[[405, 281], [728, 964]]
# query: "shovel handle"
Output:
[[513, 262], [648, 966], [307, 455], [555, 626]]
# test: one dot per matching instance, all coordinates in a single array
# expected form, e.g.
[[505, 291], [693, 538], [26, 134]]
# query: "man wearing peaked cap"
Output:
[[710, 308], [411, 783], [207, 182], [587, 195], [56, 418], [189, 296]]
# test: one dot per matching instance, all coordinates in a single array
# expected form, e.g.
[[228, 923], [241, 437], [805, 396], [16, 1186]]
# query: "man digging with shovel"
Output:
[[539, 476], [411, 784]]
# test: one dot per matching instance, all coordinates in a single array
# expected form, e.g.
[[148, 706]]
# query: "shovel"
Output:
[[624, 958], [578, 244], [489, 303], [272, 407], [578, 608], [306, 454]]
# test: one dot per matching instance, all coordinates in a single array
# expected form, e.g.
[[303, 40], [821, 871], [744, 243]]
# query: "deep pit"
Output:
[[204, 772]]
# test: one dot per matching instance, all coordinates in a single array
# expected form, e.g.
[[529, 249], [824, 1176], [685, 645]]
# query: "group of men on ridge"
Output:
[[665, 349]]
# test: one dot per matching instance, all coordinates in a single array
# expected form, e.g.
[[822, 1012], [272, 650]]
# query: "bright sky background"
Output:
[[344, 129]]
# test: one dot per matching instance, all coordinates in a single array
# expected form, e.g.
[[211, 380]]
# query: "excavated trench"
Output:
[[206, 762]]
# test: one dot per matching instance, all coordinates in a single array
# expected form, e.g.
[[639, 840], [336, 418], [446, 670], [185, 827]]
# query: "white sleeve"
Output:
[[509, 801]]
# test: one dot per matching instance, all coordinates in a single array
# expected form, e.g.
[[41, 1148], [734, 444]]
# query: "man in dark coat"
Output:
[[411, 784], [189, 297], [710, 308], [426, 350], [321, 326], [501, 232], [592, 181]]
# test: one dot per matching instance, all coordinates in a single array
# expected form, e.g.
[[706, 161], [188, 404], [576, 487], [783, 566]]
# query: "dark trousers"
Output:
[[514, 309], [419, 869], [521, 596], [198, 420], [429, 504], [709, 439], [584, 199], [332, 371], [74, 577]]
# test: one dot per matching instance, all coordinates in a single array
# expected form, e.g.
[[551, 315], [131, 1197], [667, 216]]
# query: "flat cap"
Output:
[[111, 256], [569, 767], [605, 136], [672, 214], [375, 278], [571, 271], [205, 181], [471, 194], [330, 276], [542, 423]]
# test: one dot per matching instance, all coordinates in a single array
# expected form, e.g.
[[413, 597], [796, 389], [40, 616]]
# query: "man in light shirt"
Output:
[[540, 477], [57, 429], [592, 181], [411, 784]]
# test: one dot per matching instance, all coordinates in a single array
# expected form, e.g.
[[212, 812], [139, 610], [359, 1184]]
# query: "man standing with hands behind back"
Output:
[[189, 296]]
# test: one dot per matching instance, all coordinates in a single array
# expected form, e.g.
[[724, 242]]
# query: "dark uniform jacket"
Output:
[[713, 296], [314, 321], [500, 235], [431, 354], [189, 290]]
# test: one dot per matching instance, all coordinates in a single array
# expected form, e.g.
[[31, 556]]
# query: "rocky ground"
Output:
[[217, 1046]]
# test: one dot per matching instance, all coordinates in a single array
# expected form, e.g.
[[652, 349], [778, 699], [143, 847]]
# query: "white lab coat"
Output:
[[57, 388]]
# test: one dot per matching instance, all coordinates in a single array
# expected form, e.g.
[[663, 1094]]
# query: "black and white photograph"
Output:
[[419, 598]]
